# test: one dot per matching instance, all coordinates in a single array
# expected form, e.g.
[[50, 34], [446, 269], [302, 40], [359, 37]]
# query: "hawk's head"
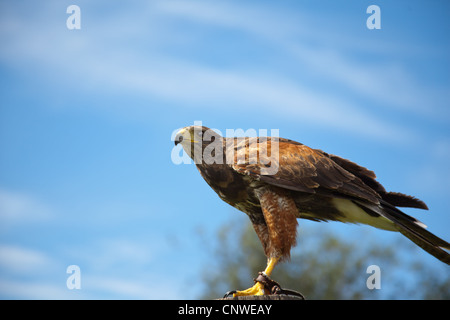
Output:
[[195, 139]]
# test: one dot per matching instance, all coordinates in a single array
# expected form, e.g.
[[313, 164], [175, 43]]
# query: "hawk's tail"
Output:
[[413, 229]]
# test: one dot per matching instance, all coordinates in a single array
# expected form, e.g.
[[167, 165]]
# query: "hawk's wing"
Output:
[[368, 177], [300, 168], [303, 169]]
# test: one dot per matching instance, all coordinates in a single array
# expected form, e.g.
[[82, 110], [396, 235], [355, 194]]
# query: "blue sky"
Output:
[[86, 118]]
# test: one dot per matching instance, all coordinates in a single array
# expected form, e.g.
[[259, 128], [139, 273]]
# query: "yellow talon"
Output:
[[256, 290]]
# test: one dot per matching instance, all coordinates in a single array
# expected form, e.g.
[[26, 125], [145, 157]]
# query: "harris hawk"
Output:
[[275, 181]]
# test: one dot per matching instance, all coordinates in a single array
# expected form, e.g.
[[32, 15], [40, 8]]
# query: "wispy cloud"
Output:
[[136, 288], [21, 260], [176, 78], [16, 207], [28, 273], [122, 268], [19, 289], [111, 253], [386, 79], [388, 83], [113, 269]]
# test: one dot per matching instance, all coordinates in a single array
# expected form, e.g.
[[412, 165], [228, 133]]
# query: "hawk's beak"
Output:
[[184, 134]]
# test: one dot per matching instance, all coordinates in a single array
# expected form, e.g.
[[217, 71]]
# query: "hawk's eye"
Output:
[[180, 139]]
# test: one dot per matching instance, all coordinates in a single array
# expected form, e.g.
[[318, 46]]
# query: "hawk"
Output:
[[275, 181]]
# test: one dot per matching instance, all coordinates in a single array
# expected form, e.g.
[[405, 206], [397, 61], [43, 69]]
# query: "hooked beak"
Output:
[[184, 134]]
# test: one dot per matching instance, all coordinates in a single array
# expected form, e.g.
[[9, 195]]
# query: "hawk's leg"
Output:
[[258, 289], [277, 231]]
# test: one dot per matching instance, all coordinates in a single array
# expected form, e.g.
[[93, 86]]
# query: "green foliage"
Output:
[[324, 265]]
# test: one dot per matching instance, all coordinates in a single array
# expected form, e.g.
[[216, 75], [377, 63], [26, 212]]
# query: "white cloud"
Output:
[[108, 254], [259, 19], [117, 269], [21, 260], [22, 208], [136, 288], [387, 82], [94, 60], [17, 289]]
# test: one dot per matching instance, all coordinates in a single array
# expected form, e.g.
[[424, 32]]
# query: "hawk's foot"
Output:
[[256, 290], [264, 286]]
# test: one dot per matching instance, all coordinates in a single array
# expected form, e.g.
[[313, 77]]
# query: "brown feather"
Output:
[[303, 169], [275, 181], [280, 215]]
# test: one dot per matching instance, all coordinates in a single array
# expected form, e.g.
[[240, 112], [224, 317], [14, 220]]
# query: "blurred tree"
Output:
[[323, 266]]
